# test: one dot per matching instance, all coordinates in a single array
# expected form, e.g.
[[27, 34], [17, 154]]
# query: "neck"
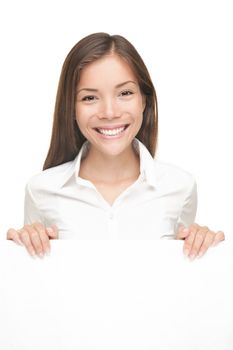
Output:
[[99, 167]]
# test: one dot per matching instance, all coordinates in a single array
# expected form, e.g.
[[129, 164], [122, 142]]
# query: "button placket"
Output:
[[112, 224]]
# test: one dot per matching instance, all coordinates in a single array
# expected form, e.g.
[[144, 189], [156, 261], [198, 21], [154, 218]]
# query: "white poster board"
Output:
[[116, 295]]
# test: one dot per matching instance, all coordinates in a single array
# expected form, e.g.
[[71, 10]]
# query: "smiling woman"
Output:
[[101, 179]]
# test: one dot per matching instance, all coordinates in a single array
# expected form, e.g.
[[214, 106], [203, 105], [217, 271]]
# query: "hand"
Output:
[[198, 239], [34, 237]]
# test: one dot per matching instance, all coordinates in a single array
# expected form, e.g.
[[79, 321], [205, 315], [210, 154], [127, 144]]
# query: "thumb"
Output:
[[182, 232], [52, 231]]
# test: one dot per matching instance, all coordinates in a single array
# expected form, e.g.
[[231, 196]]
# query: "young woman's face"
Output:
[[109, 105]]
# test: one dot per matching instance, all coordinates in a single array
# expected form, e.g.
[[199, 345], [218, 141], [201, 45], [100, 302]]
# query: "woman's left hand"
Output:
[[198, 239]]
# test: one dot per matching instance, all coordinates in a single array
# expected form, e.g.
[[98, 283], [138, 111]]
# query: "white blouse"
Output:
[[163, 197]]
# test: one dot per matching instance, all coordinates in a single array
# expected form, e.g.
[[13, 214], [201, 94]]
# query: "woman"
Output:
[[100, 178]]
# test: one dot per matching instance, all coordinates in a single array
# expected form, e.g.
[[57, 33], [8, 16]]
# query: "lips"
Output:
[[111, 132], [111, 127]]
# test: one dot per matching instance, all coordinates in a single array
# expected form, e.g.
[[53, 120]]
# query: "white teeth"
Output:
[[112, 132]]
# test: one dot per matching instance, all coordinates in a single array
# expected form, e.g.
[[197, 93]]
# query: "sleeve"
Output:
[[189, 208], [31, 211]]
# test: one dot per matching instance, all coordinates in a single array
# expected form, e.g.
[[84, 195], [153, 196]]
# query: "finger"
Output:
[[219, 236], [26, 240], [182, 233], [207, 242], [13, 235], [188, 243], [44, 238], [198, 240], [35, 239], [52, 232]]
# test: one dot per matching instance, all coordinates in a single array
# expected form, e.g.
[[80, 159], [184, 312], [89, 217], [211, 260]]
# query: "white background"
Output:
[[187, 47]]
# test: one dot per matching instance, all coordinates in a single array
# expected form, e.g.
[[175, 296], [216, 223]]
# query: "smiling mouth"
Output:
[[112, 132]]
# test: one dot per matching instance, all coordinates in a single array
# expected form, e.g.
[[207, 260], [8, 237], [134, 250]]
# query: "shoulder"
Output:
[[174, 176], [49, 179]]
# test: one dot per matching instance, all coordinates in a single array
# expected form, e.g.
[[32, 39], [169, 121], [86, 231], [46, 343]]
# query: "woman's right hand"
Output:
[[34, 237]]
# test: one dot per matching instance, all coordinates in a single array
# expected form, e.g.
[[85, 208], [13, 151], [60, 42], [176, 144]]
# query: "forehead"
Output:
[[109, 67]]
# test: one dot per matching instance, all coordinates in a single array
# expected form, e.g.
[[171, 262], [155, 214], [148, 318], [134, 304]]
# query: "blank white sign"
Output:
[[116, 295]]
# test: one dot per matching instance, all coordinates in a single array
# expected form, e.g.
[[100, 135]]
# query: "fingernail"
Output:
[[41, 255], [186, 252], [47, 252], [19, 242], [33, 254], [49, 229], [185, 230], [200, 254], [192, 257]]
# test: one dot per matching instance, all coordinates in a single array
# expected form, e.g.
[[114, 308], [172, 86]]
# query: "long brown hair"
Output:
[[67, 139]]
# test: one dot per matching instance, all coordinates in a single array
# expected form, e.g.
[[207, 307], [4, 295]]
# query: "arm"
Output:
[[31, 212], [34, 235], [197, 238], [189, 208]]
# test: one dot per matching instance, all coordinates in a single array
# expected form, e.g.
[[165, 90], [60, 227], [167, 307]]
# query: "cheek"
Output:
[[80, 119], [139, 121], [83, 113], [138, 112], [80, 115], [78, 112], [138, 106]]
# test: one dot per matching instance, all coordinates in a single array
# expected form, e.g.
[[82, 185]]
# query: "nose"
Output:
[[109, 109]]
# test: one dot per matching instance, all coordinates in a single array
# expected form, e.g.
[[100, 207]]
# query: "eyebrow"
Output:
[[117, 86]]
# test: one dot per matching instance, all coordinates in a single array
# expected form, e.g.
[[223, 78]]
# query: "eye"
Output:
[[126, 93], [88, 98]]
